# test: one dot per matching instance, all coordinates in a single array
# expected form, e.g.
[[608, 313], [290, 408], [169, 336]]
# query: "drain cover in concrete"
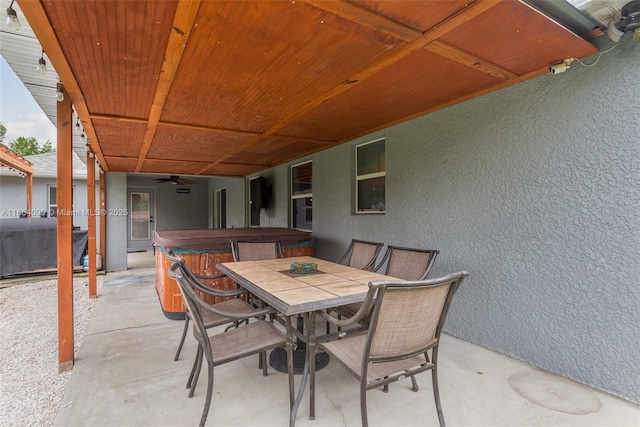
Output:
[[554, 392]]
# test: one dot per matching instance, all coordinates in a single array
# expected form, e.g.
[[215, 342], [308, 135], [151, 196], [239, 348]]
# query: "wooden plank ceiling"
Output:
[[232, 88]]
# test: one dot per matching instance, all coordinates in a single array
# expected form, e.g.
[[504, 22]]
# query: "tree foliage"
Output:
[[27, 146]]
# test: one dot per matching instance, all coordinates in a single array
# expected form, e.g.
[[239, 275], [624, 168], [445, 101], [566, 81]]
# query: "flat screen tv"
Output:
[[260, 193]]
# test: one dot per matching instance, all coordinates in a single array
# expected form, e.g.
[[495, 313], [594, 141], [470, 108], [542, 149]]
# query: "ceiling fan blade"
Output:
[[176, 180]]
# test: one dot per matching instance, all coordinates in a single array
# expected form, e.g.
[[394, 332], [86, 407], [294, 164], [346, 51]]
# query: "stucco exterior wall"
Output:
[[235, 199], [116, 200], [13, 197], [535, 190]]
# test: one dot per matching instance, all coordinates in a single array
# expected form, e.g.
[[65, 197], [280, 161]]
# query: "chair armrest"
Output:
[[213, 291], [364, 309], [222, 293], [257, 314], [203, 277]]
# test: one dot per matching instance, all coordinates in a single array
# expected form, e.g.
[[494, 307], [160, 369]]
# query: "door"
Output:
[[140, 225]]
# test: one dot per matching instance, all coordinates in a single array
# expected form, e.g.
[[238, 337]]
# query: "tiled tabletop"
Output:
[[333, 285]]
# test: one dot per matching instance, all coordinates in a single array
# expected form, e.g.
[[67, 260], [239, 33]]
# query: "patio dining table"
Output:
[[299, 294]]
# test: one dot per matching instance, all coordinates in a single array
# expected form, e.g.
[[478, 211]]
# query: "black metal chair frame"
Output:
[[349, 253], [388, 255], [272, 337], [206, 290], [374, 300]]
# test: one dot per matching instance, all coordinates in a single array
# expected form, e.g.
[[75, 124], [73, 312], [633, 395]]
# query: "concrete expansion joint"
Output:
[[123, 329]]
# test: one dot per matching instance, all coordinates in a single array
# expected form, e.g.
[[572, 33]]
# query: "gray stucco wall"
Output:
[[13, 196], [174, 211], [235, 200], [535, 190], [116, 200]]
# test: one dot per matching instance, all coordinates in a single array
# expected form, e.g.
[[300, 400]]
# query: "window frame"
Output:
[[55, 210], [220, 208], [294, 197], [363, 177]]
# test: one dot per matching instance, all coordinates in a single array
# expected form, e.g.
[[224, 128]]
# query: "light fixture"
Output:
[[83, 137], [60, 94], [42, 65], [77, 127], [12, 18], [561, 67]]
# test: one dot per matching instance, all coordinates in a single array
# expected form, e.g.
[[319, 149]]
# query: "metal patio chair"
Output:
[[402, 263], [255, 251], [252, 338], [235, 305], [361, 254], [405, 324]]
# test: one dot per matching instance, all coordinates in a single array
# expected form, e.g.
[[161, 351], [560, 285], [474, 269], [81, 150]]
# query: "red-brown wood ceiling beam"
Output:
[[183, 21], [10, 159], [415, 40]]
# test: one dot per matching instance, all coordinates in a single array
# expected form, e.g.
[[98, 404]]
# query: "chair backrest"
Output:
[[407, 317], [362, 254], [255, 251], [190, 299], [188, 274], [408, 263]]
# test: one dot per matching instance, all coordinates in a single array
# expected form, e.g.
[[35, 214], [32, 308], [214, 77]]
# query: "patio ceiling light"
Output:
[[42, 65], [12, 18], [60, 94]]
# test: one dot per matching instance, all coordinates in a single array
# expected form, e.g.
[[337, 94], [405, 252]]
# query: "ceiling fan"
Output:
[[176, 180]]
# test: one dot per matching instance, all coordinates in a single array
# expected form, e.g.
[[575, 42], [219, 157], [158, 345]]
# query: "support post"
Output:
[[91, 228], [103, 221], [29, 194], [65, 236]]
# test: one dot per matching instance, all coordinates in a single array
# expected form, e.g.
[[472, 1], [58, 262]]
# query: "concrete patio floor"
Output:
[[125, 375]]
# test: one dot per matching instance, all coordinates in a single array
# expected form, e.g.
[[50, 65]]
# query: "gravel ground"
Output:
[[31, 388]]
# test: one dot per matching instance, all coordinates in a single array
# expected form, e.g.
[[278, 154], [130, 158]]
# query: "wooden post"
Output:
[[65, 236], [103, 221], [29, 194], [91, 209]]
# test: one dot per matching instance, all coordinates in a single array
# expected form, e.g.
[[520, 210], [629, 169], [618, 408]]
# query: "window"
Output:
[[53, 200], [302, 196], [140, 215], [370, 177]]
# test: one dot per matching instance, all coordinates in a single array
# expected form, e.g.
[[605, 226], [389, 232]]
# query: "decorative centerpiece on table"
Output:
[[304, 268]]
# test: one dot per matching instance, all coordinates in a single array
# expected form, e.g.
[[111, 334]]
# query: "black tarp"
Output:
[[29, 244]]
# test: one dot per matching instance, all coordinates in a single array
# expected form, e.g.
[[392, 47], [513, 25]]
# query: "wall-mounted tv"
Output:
[[260, 193]]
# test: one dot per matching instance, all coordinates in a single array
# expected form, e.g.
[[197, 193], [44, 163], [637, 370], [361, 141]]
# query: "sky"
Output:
[[19, 112]]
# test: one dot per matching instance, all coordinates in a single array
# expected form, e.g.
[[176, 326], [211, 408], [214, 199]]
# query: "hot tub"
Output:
[[203, 249]]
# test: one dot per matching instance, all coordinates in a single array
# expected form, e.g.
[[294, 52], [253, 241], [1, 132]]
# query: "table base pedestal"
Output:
[[278, 360]]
